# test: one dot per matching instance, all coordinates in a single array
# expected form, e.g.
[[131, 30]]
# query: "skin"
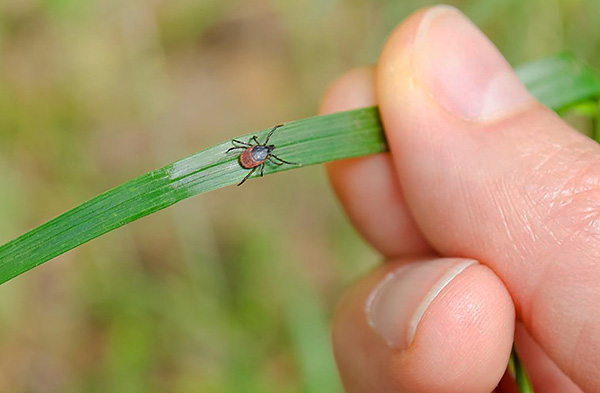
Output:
[[516, 189]]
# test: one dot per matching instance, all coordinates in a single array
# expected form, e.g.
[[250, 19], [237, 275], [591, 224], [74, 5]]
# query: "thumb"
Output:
[[490, 174]]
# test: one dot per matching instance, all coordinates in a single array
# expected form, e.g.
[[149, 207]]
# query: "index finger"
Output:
[[368, 187]]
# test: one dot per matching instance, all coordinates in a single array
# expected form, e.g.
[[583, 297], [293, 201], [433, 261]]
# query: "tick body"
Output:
[[255, 155]]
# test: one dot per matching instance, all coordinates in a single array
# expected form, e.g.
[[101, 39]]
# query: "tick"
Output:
[[256, 154]]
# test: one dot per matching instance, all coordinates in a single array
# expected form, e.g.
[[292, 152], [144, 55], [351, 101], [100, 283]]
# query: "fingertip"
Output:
[[354, 89], [462, 342], [466, 335]]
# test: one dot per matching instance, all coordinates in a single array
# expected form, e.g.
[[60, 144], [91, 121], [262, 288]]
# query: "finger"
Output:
[[368, 187], [443, 325], [507, 384], [545, 375], [490, 174]]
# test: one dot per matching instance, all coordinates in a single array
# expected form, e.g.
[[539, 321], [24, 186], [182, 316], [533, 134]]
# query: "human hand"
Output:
[[478, 171]]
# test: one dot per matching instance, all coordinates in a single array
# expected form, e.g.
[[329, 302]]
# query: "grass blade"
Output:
[[309, 141], [559, 82], [516, 369]]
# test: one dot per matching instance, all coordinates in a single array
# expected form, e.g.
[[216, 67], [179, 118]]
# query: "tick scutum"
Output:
[[260, 152]]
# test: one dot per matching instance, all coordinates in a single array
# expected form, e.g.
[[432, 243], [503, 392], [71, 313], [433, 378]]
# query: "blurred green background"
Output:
[[232, 291]]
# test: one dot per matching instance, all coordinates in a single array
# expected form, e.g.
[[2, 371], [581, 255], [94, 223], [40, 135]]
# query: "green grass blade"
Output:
[[559, 82], [308, 142], [516, 369]]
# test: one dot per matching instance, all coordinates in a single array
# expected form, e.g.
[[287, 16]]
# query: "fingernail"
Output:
[[463, 70], [396, 306]]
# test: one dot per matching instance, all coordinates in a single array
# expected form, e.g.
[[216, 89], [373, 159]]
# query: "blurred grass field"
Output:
[[232, 291]]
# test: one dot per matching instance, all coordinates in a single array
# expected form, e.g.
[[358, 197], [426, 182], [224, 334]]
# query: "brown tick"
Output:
[[256, 154]]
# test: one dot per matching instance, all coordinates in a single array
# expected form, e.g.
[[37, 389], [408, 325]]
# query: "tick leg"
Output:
[[234, 148], [274, 162], [255, 139], [283, 161], [247, 176], [234, 141], [262, 169], [272, 131]]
